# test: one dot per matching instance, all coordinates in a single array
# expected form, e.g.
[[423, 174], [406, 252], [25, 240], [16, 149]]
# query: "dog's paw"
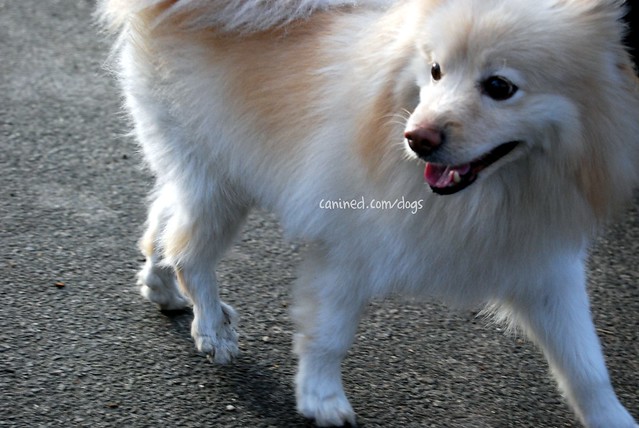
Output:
[[158, 285], [326, 411], [218, 342]]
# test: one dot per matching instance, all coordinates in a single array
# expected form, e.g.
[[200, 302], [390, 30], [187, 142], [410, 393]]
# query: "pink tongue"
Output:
[[441, 176]]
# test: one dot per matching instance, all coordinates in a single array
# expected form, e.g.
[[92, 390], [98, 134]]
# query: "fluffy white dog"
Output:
[[509, 127]]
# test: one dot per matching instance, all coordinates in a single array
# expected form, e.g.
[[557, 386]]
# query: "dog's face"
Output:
[[500, 79]]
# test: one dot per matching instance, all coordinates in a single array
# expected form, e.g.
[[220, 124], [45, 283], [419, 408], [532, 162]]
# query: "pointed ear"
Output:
[[617, 19], [632, 33]]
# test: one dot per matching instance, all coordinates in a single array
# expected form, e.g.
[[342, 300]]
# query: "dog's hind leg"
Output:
[[157, 278], [557, 317], [197, 210], [327, 312], [206, 217]]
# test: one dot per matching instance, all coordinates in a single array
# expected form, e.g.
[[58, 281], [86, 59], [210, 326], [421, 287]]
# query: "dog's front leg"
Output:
[[556, 315], [327, 312]]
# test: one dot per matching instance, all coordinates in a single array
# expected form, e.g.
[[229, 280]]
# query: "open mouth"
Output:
[[448, 179]]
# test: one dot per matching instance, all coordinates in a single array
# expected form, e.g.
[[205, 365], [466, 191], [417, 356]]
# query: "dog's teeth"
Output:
[[456, 177]]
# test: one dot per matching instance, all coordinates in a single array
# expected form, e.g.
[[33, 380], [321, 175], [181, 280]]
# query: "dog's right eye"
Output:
[[436, 71]]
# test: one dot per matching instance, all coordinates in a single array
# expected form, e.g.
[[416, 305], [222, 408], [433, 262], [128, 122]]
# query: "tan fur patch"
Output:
[[147, 243], [158, 9], [595, 184], [179, 275], [380, 121], [375, 134], [272, 79], [176, 242]]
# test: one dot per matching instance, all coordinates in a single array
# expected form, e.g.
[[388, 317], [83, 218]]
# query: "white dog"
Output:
[[522, 118]]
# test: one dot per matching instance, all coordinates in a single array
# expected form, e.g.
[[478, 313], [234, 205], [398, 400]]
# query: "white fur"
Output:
[[244, 16], [514, 241]]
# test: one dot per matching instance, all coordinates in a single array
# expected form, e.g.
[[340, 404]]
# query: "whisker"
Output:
[[398, 118]]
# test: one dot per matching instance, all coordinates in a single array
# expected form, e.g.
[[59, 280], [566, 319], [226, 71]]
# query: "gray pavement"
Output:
[[80, 347]]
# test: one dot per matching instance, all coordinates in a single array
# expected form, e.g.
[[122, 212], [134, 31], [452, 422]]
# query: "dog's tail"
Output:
[[240, 16]]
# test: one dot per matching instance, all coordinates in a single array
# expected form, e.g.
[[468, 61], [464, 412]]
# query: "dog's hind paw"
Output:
[[158, 285], [331, 411], [218, 342]]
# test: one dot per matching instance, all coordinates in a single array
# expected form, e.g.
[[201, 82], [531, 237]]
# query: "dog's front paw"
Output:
[[158, 285], [332, 410], [217, 338]]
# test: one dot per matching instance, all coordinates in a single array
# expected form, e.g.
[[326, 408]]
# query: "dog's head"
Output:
[[502, 80]]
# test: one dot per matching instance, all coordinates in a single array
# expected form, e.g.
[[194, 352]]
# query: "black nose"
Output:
[[424, 140]]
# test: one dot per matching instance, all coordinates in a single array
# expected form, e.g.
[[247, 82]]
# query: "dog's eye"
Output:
[[436, 71], [498, 88]]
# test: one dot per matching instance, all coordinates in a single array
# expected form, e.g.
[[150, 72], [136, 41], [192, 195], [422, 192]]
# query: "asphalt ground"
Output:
[[80, 347]]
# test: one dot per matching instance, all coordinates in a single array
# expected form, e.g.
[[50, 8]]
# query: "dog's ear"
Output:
[[607, 172], [616, 20], [632, 30]]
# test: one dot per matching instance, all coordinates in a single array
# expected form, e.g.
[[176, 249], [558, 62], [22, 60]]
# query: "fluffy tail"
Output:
[[244, 16]]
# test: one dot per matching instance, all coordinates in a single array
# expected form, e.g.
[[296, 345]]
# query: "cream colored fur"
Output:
[[246, 103]]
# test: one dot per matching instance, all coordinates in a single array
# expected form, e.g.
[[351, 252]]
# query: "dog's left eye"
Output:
[[498, 88]]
